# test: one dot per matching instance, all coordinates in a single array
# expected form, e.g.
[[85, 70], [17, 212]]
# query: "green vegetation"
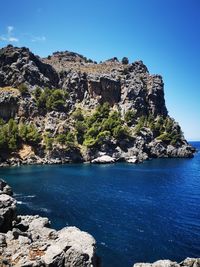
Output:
[[23, 89], [29, 134], [163, 128], [12, 135], [100, 127], [50, 99], [48, 141], [67, 139], [130, 117], [92, 130]]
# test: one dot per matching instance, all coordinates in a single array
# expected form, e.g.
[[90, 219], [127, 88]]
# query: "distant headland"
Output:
[[67, 108]]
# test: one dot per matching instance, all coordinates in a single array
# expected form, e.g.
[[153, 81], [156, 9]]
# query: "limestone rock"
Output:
[[188, 262], [9, 103], [5, 188], [7, 212], [19, 65], [103, 160]]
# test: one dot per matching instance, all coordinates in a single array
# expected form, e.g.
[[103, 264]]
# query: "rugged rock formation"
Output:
[[19, 65], [29, 240], [136, 96], [188, 262]]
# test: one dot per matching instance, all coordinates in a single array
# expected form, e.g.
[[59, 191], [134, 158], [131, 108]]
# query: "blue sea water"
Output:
[[136, 213]]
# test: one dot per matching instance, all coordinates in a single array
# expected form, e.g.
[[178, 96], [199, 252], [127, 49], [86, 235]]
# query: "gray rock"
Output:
[[103, 160], [19, 65], [5, 188], [188, 262], [7, 212]]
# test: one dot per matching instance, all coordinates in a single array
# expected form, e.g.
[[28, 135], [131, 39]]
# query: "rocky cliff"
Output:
[[66, 108]]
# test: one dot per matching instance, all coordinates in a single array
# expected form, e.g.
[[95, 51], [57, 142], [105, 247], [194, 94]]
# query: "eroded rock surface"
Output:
[[188, 262]]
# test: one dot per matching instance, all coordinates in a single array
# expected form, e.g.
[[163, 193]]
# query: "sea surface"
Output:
[[136, 213]]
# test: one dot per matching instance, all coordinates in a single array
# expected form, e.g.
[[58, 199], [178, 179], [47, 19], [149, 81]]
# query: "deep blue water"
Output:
[[136, 213]]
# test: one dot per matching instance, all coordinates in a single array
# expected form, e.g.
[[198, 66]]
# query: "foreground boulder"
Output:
[[29, 241], [188, 262], [7, 212]]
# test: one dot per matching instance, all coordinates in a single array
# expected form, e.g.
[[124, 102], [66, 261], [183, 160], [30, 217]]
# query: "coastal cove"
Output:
[[142, 212]]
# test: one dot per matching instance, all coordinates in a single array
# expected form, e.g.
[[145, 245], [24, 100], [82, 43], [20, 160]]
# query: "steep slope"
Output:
[[111, 109]]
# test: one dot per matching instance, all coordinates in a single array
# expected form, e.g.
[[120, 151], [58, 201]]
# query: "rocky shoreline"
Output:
[[188, 262], [100, 158], [28, 241]]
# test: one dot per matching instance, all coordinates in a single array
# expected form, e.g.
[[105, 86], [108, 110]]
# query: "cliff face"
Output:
[[101, 109]]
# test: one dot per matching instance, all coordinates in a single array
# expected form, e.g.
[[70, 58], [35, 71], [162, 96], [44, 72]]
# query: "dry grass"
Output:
[[89, 68], [10, 90]]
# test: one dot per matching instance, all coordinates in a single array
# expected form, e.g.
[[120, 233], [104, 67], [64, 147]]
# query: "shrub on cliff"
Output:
[[23, 89], [121, 132], [50, 99], [66, 139], [78, 115], [56, 100], [129, 117], [9, 136], [29, 134]]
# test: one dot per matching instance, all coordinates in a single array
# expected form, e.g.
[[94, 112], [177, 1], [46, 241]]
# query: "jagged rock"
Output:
[[188, 262], [19, 65], [7, 212], [155, 96], [181, 152], [5, 188], [9, 103]]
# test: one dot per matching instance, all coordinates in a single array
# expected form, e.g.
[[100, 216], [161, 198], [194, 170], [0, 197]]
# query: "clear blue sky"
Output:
[[165, 34]]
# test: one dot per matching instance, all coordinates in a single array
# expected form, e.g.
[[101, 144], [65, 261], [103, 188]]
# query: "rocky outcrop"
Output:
[[103, 159], [188, 262], [19, 65], [105, 89], [9, 103], [29, 240], [7, 207]]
